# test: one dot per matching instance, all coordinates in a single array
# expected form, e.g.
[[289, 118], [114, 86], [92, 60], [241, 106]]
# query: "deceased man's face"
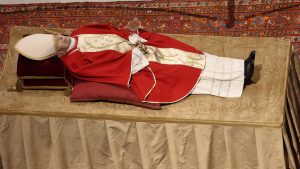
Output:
[[62, 43]]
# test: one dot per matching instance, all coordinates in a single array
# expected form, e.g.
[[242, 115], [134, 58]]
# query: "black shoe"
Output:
[[249, 68]]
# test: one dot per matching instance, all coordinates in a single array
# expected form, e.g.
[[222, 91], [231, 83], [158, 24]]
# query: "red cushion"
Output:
[[48, 67], [41, 71], [94, 91]]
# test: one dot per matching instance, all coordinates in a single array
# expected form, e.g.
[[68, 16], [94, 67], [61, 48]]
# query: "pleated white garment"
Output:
[[221, 76]]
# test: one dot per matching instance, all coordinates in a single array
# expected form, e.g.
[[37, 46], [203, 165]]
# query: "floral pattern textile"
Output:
[[255, 18]]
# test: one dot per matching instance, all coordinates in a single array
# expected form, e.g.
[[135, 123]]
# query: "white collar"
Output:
[[72, 44]]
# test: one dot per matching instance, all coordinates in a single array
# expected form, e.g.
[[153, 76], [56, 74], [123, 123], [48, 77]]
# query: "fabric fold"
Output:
[[62, 143]]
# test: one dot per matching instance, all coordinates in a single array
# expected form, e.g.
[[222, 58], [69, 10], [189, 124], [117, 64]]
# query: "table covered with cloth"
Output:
[[42, 129]]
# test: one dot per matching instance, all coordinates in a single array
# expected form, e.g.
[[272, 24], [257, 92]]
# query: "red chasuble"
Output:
[[160, 83]]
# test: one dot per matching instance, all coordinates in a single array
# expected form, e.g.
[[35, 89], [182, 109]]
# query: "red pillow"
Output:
[[94, 91]]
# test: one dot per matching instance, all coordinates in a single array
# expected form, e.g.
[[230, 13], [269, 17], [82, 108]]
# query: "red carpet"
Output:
[[257, 18]]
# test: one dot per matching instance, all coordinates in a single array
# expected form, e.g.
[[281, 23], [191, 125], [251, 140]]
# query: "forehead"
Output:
[[57, 36], [57, 39]]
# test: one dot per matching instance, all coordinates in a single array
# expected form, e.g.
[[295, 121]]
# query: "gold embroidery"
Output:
[[175, 56], [101, 42]]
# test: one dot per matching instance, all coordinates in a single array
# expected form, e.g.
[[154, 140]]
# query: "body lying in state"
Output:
[[158, 68]]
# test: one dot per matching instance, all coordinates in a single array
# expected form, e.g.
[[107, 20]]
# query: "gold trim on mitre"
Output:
[[37, 46]]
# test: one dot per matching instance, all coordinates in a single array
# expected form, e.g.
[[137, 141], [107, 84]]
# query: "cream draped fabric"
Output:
[[101, 42], [175, 56], [34, 142]]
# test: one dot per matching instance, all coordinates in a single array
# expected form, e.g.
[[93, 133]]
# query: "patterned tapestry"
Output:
[[255, 18]]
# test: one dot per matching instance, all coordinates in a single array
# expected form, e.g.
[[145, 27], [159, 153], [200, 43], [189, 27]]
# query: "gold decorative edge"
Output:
[[39, 77], [21, 83], [147, 119], [287, 74], [4, 64], [44, 87]]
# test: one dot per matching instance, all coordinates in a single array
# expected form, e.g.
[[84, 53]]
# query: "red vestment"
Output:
[[162, 83]]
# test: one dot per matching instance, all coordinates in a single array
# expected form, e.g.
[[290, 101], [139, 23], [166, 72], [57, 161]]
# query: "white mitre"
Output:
[[37, 46]]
